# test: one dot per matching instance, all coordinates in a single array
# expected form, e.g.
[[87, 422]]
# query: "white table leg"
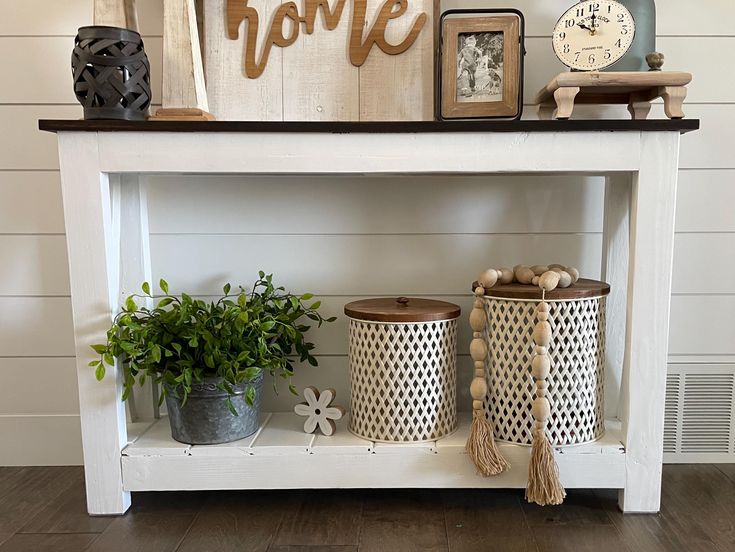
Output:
[[653, 204], [615, 242], [130, 206], [94, 276]]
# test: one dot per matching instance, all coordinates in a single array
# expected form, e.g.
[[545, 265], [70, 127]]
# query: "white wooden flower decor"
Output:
[[319, 410]]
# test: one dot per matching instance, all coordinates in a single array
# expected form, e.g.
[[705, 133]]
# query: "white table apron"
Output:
[[104, 201]]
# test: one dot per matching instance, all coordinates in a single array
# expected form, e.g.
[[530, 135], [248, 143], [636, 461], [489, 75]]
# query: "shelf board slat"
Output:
[[282, 456]]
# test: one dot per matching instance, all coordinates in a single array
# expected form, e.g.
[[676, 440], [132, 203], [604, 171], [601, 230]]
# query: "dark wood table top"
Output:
[[596, 125]]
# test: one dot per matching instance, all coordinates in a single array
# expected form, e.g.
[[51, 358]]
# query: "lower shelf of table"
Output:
[[281, 456]]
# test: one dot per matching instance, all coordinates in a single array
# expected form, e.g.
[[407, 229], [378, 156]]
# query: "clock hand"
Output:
[[583, 26]]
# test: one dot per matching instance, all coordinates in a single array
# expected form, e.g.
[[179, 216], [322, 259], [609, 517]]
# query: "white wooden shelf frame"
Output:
[[104, 201]]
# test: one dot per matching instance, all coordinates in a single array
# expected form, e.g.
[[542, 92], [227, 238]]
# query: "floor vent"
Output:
[[699, 424]]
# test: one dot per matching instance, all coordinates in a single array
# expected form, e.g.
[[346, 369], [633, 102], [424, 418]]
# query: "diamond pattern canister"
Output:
[[577, 350], [403, 369]]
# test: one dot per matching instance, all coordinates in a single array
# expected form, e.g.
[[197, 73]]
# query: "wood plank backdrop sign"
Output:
[[320, 60]]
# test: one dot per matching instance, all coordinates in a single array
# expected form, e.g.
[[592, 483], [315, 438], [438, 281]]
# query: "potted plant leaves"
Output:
[[211, 357]]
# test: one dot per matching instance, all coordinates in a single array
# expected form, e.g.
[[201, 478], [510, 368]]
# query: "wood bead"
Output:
[[479, 365], [557, 268], [516, 267], [524, 275], [549, 280], [565, 279], [478, 320], [478, 389], [541, 409], [542, 334], [555, 265], [477, 335], [476, 405], [479, 372], [539, 350], [506, 276], [540, 367], [488, 278], [535, 280], [573, 272], [543, 307], [480, 291], [478, 349], [542, 316], [538, 270], [541, 393], [479, 304], [542, 385]]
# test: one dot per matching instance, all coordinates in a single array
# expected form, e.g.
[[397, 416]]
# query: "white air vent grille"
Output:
[[671, 417], [699, 421]]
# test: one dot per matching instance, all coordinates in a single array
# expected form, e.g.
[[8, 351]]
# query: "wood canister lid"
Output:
[[402, 309], [583, 289]]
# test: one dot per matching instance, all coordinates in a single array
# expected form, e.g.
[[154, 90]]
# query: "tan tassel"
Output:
[[543, 487], [481, 446]]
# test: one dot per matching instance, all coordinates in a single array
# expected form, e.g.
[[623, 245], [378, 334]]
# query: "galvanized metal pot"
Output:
[[205, 419]]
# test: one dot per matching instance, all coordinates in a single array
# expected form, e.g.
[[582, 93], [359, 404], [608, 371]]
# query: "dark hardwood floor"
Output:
[[43, 510]]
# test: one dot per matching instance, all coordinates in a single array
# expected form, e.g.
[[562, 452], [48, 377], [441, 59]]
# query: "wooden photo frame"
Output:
[[482, 65]]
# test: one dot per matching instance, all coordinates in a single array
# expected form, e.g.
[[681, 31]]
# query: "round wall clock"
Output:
[[593, 34]]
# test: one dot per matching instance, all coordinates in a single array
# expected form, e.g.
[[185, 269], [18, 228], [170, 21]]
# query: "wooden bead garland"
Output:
[[481, 442], [544, 486]]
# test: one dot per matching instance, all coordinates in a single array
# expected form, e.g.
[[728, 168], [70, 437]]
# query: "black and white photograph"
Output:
[[480, 67]]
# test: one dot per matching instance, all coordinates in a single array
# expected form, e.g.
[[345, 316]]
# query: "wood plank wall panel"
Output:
[[361, 264], [39, 265], [30, 203], [305, 72], [230, 95], [400, 87], [706, 199], [383, 205], [49, 386], [41, 440], [36, 327], [507, 217]]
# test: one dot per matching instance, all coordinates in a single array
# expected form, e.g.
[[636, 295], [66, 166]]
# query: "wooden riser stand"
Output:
[[636, 90]]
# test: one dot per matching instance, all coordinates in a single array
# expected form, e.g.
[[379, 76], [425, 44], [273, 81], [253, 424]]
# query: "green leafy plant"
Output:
[[182, 340]]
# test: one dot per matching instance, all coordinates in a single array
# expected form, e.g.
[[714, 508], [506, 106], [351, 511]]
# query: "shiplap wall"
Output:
[[340, 238]]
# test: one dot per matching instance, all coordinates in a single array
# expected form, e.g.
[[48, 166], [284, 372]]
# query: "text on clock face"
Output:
[[593, 35]]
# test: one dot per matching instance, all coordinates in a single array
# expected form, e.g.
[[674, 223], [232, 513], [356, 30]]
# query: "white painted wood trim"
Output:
[[615, 241], [93, 268], [363, 153], [653, 207]]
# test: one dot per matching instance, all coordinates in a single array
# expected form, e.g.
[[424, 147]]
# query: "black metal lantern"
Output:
[[111, 73]]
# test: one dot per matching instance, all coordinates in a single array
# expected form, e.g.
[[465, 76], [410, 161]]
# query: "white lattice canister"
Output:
[[403, 369], [577, 349]]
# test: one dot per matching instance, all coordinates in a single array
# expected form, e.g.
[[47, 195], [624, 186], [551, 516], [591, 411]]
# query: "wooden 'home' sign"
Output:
[[314, 60]]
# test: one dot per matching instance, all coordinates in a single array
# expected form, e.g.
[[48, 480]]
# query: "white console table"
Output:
[[101, 165]]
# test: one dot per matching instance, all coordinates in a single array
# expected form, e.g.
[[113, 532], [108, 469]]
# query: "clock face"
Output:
[[593, 34]]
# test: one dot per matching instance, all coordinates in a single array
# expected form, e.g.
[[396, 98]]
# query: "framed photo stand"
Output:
[[481, 66]]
